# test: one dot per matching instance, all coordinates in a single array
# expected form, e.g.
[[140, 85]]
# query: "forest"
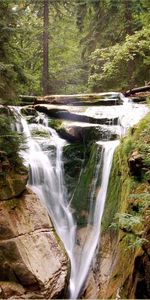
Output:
[[68, 47]]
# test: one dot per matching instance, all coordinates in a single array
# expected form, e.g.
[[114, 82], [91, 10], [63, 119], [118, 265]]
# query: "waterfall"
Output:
[[92, 239], [46, 179]]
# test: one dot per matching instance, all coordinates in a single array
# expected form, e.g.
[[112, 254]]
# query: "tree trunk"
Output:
[[45, 79], [137, 90], [128, 17]]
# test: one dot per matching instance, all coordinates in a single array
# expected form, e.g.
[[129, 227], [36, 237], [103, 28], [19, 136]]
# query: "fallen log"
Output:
[[137, 90]]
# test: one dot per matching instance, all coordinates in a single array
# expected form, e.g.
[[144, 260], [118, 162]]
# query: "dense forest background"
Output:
[[92, 45]]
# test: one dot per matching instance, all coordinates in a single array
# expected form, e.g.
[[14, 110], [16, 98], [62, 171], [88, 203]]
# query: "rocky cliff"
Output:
[[33, 262], [123, 265]]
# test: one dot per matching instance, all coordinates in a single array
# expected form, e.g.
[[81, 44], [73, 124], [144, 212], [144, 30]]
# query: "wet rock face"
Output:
[[80, 163], [86, 134], [65, 114], [30, 253]]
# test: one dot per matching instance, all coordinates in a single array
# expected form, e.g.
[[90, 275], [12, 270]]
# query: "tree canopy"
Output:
[[93, 45]]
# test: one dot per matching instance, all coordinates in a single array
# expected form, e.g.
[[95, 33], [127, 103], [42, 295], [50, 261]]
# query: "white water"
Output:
[[92, 239], [47, 181]]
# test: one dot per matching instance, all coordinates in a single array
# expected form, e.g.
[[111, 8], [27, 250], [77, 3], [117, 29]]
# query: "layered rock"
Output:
[[30, 253], [65, 114], [110, 98], [33, 262], [85, 134]]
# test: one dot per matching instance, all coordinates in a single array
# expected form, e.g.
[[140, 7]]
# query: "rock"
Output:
[[110, 98], [4, 110], [12, 184], [64, 114], [27, 100], [135, 164], [11, 289], [86, 134], [30, 253], [29, 111], [80, 164], [12, 181]]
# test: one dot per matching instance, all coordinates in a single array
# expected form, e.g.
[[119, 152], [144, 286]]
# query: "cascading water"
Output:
[[47, 181], [92, 238]]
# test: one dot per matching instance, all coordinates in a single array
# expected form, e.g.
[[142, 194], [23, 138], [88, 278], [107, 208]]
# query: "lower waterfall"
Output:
[[46, 179], [92, 238]]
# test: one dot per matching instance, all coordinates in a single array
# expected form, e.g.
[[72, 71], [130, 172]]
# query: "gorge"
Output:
[[69, 165]]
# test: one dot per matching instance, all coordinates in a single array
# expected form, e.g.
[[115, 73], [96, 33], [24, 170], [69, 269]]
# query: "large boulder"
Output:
[[30, 253], [86, 134]]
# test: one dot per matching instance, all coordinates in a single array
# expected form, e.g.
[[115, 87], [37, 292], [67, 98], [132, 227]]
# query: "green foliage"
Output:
[[27, 52], [80, 166], [127, 146], [66, 70], [55, 123], [134, 242], [9, 141], [128, 222], [116, 34], [114, 192], [109, 38], [7, 71], [128, 200], [122, 65]]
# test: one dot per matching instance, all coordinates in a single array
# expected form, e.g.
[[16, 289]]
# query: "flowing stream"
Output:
[[47, 181]]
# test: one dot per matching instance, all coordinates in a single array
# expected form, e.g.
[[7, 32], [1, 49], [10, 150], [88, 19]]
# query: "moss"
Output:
[[40, 133], [81, 198], [128, 207], [118, 187], [119, 190], [75, 158], [29, 111], [80, 165], [12, 204], [13, 184], [55, 123]]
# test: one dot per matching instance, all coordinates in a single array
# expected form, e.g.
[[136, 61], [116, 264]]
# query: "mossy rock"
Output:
[[13, 185], [40, 133], [29, 111], [86, 134], [55, 123], [4, 110], [80, 166], [128, 198]]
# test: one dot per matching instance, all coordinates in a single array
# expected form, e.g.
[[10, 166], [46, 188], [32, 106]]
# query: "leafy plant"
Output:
[[10, 141], [134, 242], [128, 222]]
